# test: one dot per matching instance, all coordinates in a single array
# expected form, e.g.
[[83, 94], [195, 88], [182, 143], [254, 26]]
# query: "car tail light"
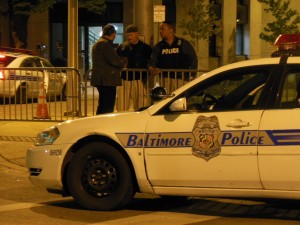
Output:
[[288, 42], [2, 57]]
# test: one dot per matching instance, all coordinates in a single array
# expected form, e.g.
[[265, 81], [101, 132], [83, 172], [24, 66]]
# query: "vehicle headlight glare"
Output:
[[47, 137]]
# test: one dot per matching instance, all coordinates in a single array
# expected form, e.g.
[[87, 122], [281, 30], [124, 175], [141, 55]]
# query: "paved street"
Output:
[[22, 203]]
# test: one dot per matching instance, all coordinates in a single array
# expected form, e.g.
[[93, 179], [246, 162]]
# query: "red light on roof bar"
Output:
[[18, 50], [288, 41], [2, 56]]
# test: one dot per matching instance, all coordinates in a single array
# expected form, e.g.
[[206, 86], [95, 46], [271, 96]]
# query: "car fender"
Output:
[[102, 128]]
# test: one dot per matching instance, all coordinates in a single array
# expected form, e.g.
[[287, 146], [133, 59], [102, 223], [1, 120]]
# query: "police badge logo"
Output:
[[206, 131], [179, 42]]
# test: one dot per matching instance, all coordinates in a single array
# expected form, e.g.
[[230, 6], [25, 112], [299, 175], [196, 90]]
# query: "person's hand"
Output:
[[153, 71], [124, 61]]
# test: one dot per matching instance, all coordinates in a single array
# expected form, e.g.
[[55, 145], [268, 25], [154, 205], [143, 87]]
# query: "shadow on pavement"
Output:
[[267, 209]]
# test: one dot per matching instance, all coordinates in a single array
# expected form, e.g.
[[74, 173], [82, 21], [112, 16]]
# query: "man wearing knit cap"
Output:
[[106, 69], [135, 54]]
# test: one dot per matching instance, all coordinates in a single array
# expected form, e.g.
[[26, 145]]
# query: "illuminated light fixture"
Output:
[[288, 42], [2, 56]]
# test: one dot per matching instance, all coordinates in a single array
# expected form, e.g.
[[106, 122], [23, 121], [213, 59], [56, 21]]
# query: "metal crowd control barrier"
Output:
[[39, 93], [60, 93], [137, 80]]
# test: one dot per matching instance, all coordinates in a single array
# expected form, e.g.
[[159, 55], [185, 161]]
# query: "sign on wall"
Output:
[[159, 13]]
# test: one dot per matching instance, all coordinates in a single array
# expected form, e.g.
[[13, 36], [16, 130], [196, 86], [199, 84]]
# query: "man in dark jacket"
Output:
[[136, 54], [106, 70], [172, 52]]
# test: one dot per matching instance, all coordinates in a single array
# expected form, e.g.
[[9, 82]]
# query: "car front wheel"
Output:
[[99, 177]]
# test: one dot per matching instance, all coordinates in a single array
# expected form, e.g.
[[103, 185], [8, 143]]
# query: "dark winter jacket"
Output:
[[179, 55], [137, 55], [106, 64]]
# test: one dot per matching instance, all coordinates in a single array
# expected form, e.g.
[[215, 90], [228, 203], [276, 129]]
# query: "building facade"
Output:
[[242, 22]]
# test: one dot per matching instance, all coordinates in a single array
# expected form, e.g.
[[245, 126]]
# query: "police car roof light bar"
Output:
[[17, 50], [288, 42]]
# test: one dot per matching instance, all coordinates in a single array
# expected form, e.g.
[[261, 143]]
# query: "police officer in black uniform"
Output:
[[172, 52]]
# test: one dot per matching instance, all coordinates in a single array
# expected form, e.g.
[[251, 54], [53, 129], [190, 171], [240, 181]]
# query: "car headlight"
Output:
[[48, 136]]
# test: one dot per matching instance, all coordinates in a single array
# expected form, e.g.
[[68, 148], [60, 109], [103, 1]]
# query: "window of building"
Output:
[[214, 51], [241, 28]]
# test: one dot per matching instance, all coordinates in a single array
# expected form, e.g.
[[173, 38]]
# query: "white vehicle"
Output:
[[21, 77], [233, 132]]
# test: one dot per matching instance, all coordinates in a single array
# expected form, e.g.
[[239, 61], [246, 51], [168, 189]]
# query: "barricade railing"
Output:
[[136, 87], [60, 93], [40, 94]]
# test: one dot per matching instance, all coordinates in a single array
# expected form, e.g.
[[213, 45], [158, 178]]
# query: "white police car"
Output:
[[22, 73], [233, 132]]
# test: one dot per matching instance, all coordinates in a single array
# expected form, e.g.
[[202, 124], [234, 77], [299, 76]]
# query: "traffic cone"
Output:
[[42, 109]]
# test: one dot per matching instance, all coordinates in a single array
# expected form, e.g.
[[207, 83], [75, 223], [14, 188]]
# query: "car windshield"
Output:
[[237, 91], [6, 60]]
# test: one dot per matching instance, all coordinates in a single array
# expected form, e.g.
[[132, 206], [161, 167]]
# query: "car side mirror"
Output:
[[179, 105]]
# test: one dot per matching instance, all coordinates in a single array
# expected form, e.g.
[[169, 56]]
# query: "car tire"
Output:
[[63, 96], [21, 95], [99, 177]]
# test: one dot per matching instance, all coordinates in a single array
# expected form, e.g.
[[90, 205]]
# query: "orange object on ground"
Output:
[[42, 110]]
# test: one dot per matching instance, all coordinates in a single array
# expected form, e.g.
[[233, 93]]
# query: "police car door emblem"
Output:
[[206, 131]]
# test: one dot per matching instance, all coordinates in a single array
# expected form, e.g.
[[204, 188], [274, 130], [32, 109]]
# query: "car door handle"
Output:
[[238, 123]]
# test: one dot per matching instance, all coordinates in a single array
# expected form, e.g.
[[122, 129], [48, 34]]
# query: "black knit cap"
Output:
[[131, 29], [108, 29]]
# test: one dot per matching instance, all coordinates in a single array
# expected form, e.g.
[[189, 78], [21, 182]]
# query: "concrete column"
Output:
[[255, 20], [143, 18], [229, 31], [73, 33], [127, 13], [72, 78]]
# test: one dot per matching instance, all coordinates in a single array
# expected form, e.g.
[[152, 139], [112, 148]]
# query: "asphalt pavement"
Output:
[[23, 128], [15, 138]]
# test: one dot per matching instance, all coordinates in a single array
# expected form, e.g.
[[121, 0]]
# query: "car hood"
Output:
[[107, 125]]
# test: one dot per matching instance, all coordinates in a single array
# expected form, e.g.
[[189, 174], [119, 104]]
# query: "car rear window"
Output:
[[5, 60]]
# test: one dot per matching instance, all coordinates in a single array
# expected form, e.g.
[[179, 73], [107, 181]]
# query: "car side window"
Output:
[[290, 96], [45, 63], [37, 62], [232, 91], [27, 63]]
